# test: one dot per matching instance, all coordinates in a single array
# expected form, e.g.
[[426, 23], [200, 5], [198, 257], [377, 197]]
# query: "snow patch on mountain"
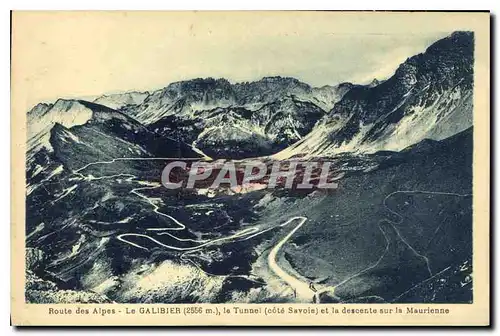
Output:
[[119, 100]]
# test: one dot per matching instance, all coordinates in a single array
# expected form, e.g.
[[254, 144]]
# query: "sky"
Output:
[[69, 54]]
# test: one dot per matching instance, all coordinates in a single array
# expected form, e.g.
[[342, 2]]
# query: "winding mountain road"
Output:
[[302, 289]]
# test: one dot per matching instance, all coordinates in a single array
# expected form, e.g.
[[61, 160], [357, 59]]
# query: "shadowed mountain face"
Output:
[[236, 120], [100, 227]]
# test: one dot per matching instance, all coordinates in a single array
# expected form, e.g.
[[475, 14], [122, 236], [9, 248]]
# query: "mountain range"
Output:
[[429, 96]]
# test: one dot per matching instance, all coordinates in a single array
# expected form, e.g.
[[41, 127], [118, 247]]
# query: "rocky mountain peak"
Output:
[[198, 85], [374, 82], [445, 61], [429, 96]]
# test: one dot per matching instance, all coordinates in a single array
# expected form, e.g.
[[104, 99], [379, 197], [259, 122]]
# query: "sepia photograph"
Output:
[[294, 164]]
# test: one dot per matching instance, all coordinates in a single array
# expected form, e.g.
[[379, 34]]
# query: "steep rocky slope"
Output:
[[429, 96]]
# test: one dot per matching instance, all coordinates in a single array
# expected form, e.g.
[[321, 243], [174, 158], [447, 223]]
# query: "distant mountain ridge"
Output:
[[226, 120], [192, 96]]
